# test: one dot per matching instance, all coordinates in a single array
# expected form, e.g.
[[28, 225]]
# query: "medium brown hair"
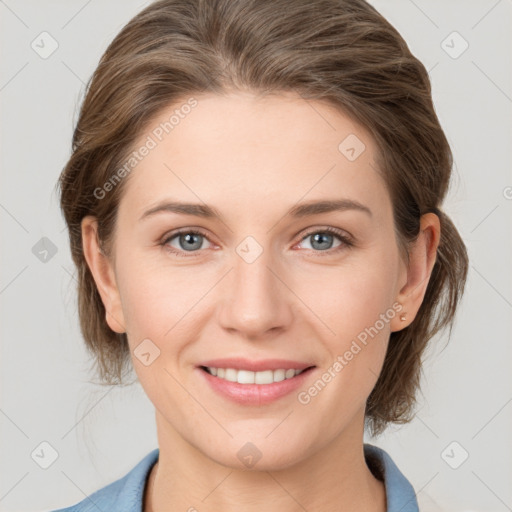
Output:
[[339, 51]]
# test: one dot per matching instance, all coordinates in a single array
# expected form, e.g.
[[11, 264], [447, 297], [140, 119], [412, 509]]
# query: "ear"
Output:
[[103, 273], [422, 257]]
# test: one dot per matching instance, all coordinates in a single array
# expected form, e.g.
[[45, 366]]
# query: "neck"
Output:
[[335, 478]]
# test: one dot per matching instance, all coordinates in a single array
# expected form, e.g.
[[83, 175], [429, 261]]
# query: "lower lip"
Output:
[[255, 394]]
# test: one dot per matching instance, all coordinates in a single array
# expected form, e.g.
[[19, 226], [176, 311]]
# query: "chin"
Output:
[[255, 454]]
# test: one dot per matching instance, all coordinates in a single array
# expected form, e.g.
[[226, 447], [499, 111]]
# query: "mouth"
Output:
[[257, 383], [263, 377]]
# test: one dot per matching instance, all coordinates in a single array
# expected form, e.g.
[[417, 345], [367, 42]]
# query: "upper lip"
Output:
[[240, 363]]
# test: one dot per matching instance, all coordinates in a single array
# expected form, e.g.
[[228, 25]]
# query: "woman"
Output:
[[254, 207]]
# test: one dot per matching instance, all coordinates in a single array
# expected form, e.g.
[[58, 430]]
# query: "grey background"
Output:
[[99, 433]]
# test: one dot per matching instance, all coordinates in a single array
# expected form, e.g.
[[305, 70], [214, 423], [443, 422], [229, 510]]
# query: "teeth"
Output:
[[248, 377]]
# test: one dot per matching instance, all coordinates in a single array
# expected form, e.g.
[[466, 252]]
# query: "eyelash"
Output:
[[346, 241]]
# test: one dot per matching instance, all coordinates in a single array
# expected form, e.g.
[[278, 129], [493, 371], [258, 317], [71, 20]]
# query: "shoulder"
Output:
[[400, 493], [125, 494]]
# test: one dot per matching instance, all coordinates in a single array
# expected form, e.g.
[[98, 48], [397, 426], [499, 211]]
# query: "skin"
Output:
[[254, 158]]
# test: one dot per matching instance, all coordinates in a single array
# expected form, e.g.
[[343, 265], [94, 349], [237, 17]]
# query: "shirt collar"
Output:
[[400, 494]]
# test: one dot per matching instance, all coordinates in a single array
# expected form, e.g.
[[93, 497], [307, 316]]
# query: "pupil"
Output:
[[321, 236], [189, 237]]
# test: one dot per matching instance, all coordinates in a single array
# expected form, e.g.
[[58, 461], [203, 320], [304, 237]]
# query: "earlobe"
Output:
[[422, 257], [103, 274]]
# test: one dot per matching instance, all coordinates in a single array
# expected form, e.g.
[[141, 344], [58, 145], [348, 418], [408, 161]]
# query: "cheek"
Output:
[[354, 304], [160, 302], [350, 298]]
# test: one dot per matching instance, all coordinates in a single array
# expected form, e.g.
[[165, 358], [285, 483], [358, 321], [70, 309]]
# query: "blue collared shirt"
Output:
[[127, 493]]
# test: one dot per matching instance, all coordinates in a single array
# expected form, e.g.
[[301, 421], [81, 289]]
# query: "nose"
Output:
[[257, 298]]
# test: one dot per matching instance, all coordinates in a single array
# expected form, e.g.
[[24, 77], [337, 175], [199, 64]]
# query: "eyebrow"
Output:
[[301, 210]]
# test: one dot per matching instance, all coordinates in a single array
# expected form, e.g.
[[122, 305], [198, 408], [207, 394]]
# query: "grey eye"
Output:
[[321, 240]]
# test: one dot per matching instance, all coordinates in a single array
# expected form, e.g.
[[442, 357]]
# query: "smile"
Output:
[[249, 377]]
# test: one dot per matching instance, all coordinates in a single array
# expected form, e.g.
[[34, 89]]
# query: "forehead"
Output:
[[245, 151]]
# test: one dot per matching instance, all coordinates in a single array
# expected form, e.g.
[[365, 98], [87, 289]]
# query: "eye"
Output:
[[188, 240], [322, 240]]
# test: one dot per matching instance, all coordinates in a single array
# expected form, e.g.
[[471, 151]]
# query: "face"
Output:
[[262, 280]]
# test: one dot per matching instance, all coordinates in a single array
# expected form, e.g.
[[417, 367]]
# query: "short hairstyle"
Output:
[[343, 52]]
